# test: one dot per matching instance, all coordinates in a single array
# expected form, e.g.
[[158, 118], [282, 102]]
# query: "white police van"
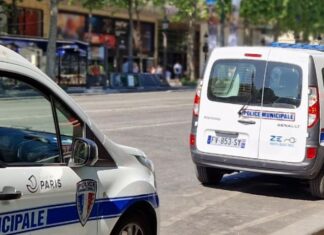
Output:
[[58, 173], [259, 109]]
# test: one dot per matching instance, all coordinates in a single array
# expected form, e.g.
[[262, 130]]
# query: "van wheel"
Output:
[[208, 175], [134, 223], [317, 185]]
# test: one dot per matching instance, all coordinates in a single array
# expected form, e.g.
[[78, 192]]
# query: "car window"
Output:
[[27, 130], [28, 133], [236, 81], [246, 81], [70, 127], [282, 85]]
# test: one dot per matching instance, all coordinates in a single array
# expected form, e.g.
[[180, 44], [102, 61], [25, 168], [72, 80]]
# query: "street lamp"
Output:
[[165, 27], [205, 47], [165, 23]]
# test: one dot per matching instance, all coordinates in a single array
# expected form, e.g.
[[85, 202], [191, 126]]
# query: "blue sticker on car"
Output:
[[280, 116], [282, 141], [322, 136]]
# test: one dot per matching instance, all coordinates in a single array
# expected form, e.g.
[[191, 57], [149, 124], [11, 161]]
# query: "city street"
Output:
[[245, 203]]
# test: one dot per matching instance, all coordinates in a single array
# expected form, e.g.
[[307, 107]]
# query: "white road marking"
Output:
[[150, 107], [197, 209], [22, 117], [147, 126], [275, 216], [130, 101]]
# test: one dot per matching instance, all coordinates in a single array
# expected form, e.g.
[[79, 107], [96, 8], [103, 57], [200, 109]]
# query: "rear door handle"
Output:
[[247, 122], [9, 193]]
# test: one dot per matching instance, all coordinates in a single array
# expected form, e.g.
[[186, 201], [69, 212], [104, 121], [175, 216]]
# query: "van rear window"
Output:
[[247, 81]]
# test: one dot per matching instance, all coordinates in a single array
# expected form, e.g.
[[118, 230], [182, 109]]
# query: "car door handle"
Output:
[[9, 193], [247, 122]]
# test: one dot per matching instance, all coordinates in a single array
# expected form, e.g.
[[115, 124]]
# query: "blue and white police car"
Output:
[[58, 173]]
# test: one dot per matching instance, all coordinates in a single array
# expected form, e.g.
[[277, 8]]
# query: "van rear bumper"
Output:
[[307, 169]]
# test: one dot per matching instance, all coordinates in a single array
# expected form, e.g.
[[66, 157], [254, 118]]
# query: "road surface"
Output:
[[245, 203]]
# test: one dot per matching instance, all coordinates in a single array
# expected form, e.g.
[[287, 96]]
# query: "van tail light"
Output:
[[197, 100], [252, 55], [192, 140], [313, 106], [311, 152]]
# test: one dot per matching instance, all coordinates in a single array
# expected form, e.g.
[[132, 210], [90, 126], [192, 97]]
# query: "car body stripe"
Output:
[[38, 218]]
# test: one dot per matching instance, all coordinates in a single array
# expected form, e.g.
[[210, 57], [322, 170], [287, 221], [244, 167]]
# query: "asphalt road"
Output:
[[245, 203]]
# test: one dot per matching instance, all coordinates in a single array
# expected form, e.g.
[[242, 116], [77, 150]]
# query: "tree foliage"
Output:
[[189, 11], [302, 17], [188, 8], [133, 7], [93, 4]]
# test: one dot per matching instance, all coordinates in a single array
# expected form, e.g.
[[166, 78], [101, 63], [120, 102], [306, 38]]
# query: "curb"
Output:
[[100, 91]]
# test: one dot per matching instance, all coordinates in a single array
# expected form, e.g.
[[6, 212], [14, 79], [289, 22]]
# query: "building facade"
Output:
[[105, 31]]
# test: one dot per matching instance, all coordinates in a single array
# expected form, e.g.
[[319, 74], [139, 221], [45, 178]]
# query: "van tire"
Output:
[[208, 176], [317, 185]]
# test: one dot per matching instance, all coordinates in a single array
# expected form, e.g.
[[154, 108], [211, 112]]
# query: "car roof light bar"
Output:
[[298, 46]]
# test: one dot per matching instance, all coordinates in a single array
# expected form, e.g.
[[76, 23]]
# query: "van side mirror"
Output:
[[84, 153]]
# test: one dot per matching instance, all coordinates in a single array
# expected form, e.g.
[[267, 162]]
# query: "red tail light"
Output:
[[313, 106], [197, 100], [311, 152], [252, 55], [192, 140]]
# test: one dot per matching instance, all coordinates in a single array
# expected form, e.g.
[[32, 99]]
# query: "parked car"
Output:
[[58, 172], [259, 109]]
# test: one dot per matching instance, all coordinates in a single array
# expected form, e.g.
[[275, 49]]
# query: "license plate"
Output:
[[226, 141]]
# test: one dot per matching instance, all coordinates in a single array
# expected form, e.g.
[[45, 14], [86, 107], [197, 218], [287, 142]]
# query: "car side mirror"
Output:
[[84, 153]]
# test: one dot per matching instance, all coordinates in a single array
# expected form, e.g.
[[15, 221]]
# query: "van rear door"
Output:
[[233, 82], [284, 119]]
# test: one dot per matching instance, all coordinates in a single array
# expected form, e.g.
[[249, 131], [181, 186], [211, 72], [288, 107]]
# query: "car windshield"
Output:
[[242, 81]]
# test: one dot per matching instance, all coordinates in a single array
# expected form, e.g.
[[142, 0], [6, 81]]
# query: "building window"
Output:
[[30, 22], [71, 26]]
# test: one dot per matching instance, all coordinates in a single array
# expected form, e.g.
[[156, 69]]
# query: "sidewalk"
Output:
[[100, 90], [174, 85]]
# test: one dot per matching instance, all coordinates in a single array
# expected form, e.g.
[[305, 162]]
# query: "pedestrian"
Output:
[[135, 67], [177, 69], [153, 69], [159, 70], [125, 67]]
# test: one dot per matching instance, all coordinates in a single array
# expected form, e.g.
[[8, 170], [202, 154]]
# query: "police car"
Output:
[[58, 173], [260, 109]]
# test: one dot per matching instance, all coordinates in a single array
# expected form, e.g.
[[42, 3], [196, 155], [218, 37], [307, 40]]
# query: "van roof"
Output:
[[299, 50], [254, 51], [9, 56]]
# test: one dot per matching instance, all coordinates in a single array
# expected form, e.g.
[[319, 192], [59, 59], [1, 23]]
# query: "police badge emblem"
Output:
[[85, 199]]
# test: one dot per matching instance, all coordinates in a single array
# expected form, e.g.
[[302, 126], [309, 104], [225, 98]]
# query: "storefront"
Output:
[[71, 56], [109, 35]]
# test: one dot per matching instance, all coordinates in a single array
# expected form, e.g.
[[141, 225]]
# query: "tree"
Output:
[[190, 11], [137, 35], [130, 5], [51, 45], [11, 10], [91, 5], [223, 9], [301, 17], [52, 36], [304, 18], [264, 13]]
